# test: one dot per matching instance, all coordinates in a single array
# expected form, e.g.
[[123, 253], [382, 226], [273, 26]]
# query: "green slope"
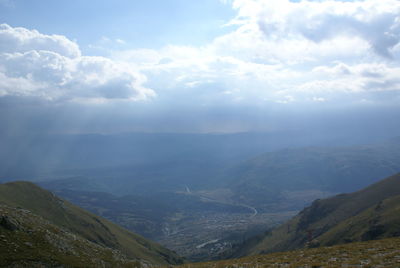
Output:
[[379, 221], [371, 213], [78, 221], [377, 253], [28, 240]]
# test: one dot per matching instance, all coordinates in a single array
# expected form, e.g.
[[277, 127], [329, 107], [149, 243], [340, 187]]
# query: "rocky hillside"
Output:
[[28, 209], [373, 254], [372, 213], [28, 240]]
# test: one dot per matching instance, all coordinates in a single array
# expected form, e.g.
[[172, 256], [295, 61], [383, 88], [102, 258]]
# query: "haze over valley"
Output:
[[200, 194]]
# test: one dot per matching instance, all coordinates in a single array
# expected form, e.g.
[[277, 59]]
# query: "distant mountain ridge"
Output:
[[79, 222], [272, 178], [371, 213], [166, 159]]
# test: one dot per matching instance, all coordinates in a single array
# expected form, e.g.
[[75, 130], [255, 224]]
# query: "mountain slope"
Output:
[[379, 221], [377, 253], [371, 213], [78, 221], [28, 240]]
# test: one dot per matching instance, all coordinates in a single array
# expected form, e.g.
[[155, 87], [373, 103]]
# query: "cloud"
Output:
[[366, 77], [287, 99], [104, 45], [276, 48], [275, 56], [23, 40], [280, 48], [318, 99], [52, 67], [375, 22]]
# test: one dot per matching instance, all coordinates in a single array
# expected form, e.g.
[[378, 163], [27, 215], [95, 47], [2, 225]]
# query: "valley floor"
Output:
[[378, 253], [204, 236]]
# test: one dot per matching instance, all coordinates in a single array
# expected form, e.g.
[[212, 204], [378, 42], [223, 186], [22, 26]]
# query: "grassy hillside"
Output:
[[78, 221], [377, 253], [28, 240], [379, 221], [371, 213]]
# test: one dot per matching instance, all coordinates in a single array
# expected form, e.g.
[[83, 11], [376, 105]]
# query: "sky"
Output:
[[198, 66]]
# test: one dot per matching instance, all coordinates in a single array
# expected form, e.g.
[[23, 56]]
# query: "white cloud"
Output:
[[375, 21], [22, 40], [120, 41], [287, 99], [366, 77], [318, 99], [308, 50], [52, 67], [309, 30], [281, 48]]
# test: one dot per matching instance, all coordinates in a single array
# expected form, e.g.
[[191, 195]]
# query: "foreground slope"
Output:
[[371, 213], [377, 253], [66, 216], [28, 240]]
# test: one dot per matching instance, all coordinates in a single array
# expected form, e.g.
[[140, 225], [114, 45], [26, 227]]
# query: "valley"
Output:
[[196, 227], [38, 228], [201, 202], [209, 235]]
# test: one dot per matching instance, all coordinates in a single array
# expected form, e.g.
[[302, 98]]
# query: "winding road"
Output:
[[253, 209]]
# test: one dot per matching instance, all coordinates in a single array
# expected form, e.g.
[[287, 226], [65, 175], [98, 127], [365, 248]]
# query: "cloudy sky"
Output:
[[198, 66]]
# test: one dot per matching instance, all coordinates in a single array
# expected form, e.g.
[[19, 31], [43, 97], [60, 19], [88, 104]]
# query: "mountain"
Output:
[[28, 240], [278, 180], [142, 161], [371, 213], [62, 215], [60, 153]]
